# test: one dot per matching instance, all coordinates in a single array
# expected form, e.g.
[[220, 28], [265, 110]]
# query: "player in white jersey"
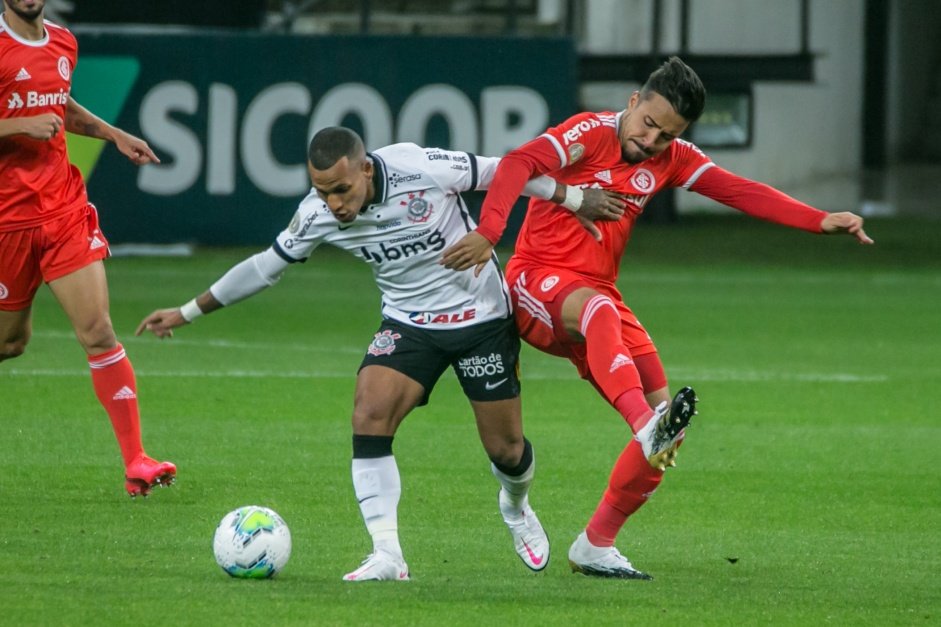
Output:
[[397, 209]]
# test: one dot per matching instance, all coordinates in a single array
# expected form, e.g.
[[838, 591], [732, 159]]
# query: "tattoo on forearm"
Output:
[[88, 128]]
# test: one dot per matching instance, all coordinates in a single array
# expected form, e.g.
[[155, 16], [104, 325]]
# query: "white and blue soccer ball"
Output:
[[252, 542]]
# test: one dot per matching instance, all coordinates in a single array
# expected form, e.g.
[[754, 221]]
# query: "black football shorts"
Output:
[[484, 356]]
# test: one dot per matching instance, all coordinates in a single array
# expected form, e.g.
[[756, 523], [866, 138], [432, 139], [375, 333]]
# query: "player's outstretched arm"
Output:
[[846, 222], [244, 279], [162, 322], [81, 121]]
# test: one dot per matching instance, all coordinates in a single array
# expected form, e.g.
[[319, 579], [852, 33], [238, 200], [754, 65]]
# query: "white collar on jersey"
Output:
[[26, 42], [617, 122]]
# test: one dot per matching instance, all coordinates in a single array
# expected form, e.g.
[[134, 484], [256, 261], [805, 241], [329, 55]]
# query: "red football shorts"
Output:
[[47, 252], [538, 293]]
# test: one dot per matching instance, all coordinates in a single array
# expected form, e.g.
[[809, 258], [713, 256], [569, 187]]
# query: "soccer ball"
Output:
[[252, 542]]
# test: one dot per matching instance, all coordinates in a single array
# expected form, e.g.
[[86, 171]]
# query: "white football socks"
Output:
[[378, 488], [513, 496]]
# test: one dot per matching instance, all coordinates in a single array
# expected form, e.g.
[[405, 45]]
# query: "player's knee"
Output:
[[370, 421], [13, 348], [505, 453], [97, 336]]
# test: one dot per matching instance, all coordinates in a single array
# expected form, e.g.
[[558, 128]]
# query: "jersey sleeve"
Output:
[[557, 148], [304, 233], [450, 170], [512, 174], [690, 162], [757, 200]]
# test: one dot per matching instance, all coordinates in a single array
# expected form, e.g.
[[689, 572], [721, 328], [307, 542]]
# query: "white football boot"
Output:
[[662, 434], [601, 561], [380, 566], [529, 538]]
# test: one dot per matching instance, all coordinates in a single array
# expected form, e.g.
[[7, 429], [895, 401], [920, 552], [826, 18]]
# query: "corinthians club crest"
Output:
[[383, 343], [419, 209]]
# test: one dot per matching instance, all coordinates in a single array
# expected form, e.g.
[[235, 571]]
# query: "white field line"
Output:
[[178, 341], [730, 376], [882, 279], [548, 371]]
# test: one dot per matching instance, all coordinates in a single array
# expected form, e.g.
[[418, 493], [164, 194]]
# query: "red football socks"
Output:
[[113, 379], [609, 360], [632, 482]]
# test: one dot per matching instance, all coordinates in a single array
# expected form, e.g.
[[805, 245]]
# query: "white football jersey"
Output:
[[415, 215]]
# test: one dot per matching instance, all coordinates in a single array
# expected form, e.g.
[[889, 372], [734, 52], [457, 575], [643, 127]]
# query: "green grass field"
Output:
[[808, 491]]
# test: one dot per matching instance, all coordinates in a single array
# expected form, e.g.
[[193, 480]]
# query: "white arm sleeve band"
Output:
[[540, 187], [573, 198], [249, 277]]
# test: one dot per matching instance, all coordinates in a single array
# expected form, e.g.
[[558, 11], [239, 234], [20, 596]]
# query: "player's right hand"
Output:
[[43, 127], [601, 204], [161, 322]]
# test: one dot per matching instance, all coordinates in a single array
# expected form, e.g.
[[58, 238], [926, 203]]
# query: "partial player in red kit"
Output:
[[49, 231], [562, 276]]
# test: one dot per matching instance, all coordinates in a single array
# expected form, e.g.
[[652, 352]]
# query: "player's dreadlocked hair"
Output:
[[331, 144], [679, 84]]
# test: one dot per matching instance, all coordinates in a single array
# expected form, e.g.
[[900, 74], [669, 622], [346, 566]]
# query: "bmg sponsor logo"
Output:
[[477, 366], [404, 248]]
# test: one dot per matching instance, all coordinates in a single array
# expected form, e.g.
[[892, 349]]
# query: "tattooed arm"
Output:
[[81, 121]]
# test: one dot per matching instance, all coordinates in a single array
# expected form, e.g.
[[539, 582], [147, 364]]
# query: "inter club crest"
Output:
[[419, 209], [643, 181], [383, 343], [65, 70]]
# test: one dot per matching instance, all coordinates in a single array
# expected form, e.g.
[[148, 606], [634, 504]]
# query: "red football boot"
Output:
[[144, 473]]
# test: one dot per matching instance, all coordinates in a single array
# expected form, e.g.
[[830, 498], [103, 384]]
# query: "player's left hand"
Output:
[[471, 250], [846, 222], [135, 149]]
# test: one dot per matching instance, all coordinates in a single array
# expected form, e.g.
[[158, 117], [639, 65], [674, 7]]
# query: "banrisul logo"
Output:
[[101, 84]]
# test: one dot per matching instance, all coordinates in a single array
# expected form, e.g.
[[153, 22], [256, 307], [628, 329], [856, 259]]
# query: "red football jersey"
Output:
[[37, 182], [589, 155], [585, 151]]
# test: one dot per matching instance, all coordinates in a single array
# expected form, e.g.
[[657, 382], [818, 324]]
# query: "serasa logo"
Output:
[[409, 246]]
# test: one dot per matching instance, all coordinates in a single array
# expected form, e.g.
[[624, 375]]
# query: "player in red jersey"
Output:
[[49, 231], [563, 280]]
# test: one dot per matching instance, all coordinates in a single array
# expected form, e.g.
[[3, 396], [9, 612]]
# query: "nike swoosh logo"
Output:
[[344, 227], [536, 559], [492, 386]]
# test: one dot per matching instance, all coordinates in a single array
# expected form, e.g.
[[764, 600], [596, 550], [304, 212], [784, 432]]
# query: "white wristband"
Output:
[[573, 198], [190, 311]]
